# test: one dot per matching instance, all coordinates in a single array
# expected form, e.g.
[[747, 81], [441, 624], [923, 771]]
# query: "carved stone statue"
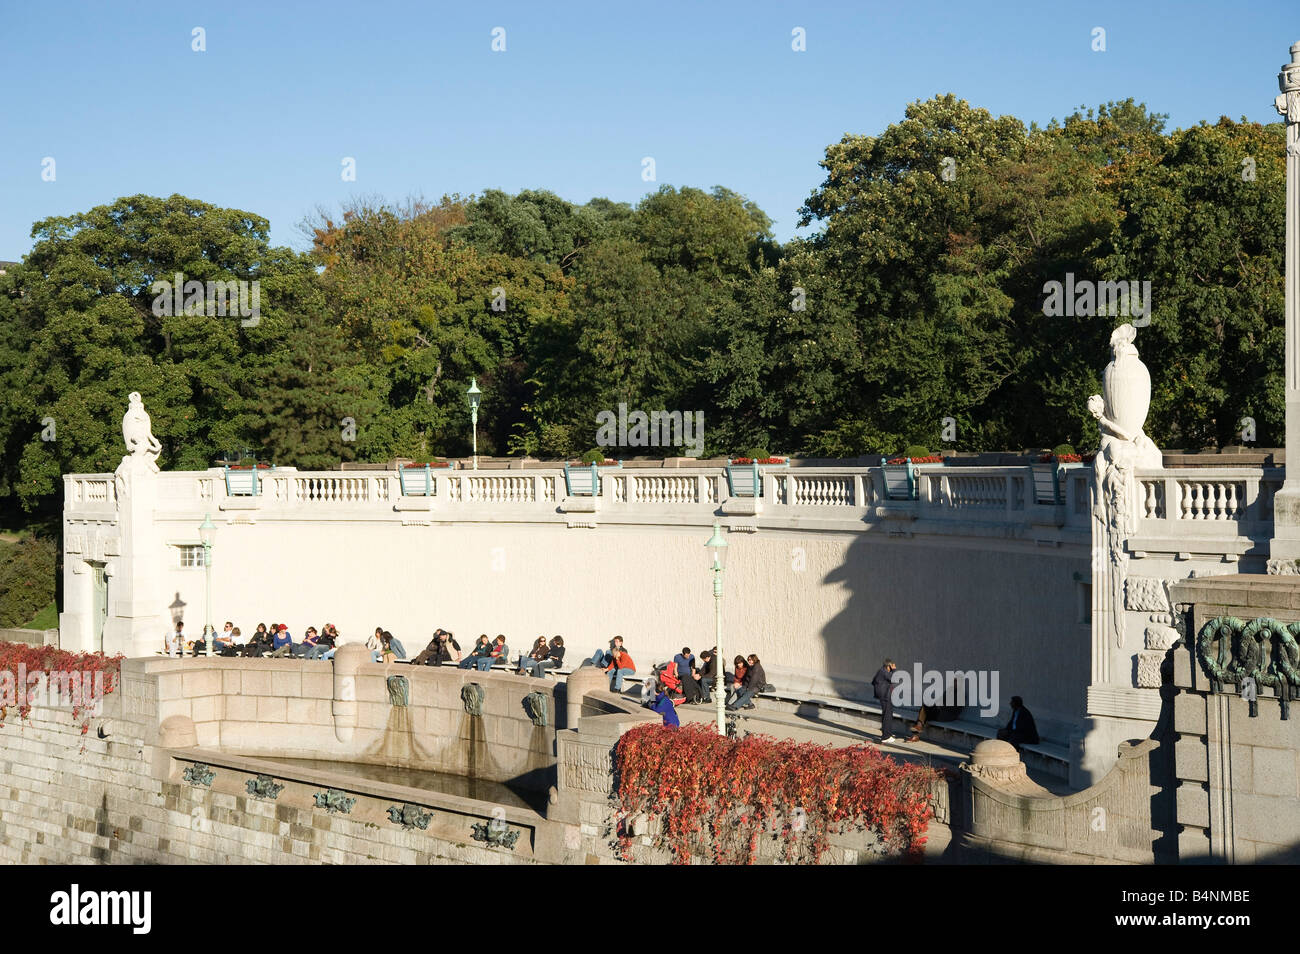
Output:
[[1121, 413], [1126, 386], [137, 431]]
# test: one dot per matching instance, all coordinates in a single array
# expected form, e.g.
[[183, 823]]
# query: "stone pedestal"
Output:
[[1237, 799], [136, 623]]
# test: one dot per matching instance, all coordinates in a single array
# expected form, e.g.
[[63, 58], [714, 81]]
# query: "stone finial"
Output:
[[177, 732], [995, 759]]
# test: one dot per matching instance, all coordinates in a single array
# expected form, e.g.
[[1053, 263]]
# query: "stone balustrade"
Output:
[[852, 494], [1206, 502]]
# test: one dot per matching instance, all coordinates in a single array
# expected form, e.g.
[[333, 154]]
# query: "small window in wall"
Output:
[[1084, 597], [191, 556]]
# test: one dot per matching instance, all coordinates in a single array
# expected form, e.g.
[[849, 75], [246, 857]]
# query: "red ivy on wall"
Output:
[[14, 657], [718, 795]]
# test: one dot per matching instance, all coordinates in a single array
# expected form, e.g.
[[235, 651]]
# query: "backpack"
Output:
[[669, 679]]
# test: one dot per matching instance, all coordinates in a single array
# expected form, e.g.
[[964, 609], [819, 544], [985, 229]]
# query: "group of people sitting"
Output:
[[267, 640], [275, 640], [686, 679]]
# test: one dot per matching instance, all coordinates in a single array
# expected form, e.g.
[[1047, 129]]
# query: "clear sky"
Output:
[[713, 91]]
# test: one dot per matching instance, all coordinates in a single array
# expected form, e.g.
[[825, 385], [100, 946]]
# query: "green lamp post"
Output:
[[473, 394], [719, 547]]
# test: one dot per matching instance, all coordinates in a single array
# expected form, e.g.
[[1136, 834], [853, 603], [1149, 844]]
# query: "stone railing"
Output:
[[1187, 501], [1203, 503], [1213, 494]]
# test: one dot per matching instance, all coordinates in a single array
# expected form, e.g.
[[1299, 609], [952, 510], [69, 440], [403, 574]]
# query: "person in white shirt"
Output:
[[174, 643], [223, 640]]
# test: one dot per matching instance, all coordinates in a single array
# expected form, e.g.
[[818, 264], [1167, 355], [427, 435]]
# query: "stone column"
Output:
[[1285, 545], [136, 624]]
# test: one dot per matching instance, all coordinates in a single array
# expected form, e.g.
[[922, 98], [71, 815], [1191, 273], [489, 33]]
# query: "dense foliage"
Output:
[[918, 297], [715, 797], [27, 573]]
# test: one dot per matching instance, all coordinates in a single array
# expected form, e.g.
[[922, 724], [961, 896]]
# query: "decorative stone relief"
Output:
[[471, 694], [1148, 668], [264, 786], [1161, 637], [409, 816], [586, 767], [333, 800], [1283, 568], [199, 774], [1146, 594]]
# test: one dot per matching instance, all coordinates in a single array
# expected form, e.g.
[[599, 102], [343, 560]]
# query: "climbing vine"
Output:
[[710, 795], [21, 662]]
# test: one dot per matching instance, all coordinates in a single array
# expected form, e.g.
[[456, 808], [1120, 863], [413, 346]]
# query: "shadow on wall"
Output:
[[952, 605]]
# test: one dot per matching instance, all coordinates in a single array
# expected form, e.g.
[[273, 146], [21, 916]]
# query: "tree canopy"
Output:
[[918, 296]]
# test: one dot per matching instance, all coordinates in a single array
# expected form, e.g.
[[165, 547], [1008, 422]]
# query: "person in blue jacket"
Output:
[[663, 704]]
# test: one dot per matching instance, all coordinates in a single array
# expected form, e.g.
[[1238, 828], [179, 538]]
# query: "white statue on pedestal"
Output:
[[142, 447], [137, 430], [1126, 384], [1121, 413]]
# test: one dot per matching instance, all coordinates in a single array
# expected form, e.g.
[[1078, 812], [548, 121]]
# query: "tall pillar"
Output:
[[136, 625], [1285, 545]]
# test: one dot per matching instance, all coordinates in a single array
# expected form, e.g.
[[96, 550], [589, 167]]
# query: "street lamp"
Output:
[[719, 547], [208, 533], [473, 393]]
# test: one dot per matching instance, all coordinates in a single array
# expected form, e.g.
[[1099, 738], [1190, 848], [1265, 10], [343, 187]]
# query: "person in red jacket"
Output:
[[621, 665]]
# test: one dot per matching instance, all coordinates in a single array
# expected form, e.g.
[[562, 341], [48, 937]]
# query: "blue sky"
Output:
[[262, 119]]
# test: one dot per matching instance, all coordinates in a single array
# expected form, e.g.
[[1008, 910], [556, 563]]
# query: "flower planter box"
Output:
[[243, 481], [417, 479], [1047, 484], [900, 481], [744, 477], [583, 480]]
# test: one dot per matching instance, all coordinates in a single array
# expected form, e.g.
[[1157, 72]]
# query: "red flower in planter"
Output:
[[916, 460], [765, 460]]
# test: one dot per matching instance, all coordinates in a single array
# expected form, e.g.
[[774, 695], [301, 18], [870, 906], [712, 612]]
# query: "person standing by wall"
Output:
[[883, 685]]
